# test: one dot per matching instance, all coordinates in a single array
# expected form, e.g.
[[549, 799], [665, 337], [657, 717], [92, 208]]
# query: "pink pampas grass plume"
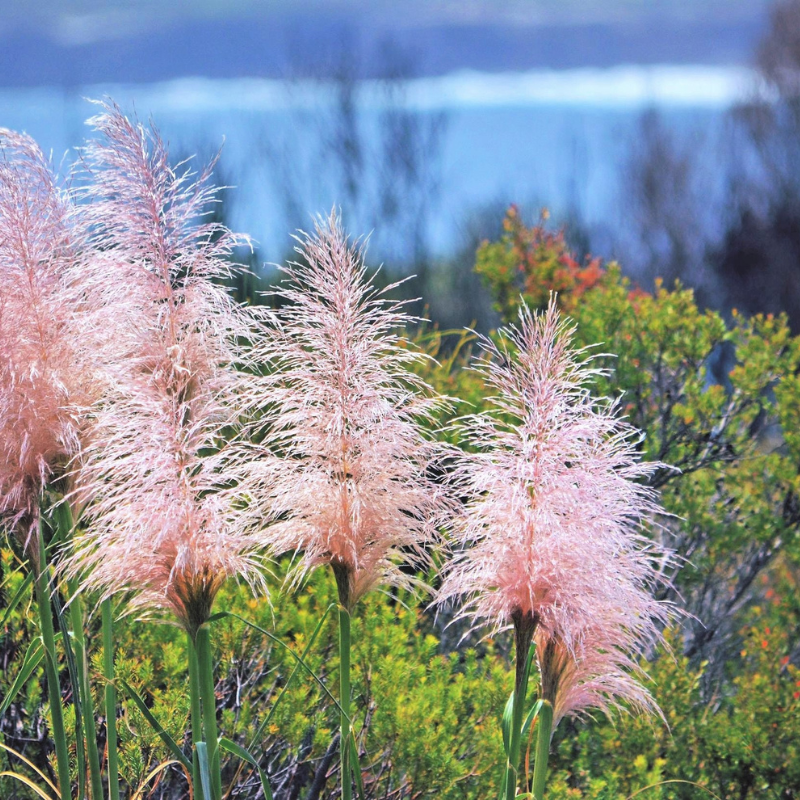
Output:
[[598, 674], [346, 467], [45, 381], [552, 526], [160, 522]]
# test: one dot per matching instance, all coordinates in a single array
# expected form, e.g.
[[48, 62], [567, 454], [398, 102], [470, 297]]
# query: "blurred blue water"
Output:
[[560, 140]]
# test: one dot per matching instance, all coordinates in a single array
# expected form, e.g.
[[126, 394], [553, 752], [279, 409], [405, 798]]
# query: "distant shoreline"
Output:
[[625, 87]]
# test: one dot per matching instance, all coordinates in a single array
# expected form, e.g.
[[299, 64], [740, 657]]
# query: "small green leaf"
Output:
[[32, 659], [156, 725], [508, 717], [532, 714], [356, 767], [238, 750], [18, 595], [205, 773]]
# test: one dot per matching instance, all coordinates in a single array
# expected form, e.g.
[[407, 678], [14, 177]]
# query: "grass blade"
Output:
[[33, 658], [305, 652], [15, 600], [28, 782], [205, 772], [532, 714], [156, 725], [238, 750], [356, 767], [297, 658], [30, 763], [152, 774], [508, 715]]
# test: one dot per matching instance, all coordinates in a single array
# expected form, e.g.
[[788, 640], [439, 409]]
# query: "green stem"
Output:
[[206, 666], [524, 627], [85, 690], [512, 764], [110, 699], [51, 667], [344, 702], [545, 725], [197, 716]]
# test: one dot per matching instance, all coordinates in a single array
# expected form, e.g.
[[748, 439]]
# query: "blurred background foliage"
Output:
[[717, 400]]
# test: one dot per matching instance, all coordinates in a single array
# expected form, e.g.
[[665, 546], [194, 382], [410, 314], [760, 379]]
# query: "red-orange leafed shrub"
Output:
[[531, 262]]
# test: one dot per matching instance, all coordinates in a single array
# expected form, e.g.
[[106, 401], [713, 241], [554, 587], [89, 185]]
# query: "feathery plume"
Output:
[[344, 473], [160, 524], [44, 377], [346, 470], [552, 526], [598, 675]]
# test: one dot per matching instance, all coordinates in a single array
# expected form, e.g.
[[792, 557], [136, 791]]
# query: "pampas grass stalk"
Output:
[[47, 379], [544, 732], [551, 533], [196, 716], [345, 719], [342, 474], [161, 528], [85, 691], [205, 669], [110, 698], [45, 609]]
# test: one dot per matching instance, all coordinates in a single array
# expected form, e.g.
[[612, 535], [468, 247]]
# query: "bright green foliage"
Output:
[[743, 741], [425, 722], [420, 717]]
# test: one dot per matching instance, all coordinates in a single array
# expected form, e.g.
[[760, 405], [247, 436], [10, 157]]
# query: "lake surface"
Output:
[[556, 139]]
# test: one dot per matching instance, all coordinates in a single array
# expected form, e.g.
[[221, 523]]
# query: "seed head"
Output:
[[551, 530], [160, 519], [345, 469], [45, 375]]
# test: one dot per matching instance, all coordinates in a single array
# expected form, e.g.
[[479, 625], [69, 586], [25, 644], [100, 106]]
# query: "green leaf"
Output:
[[32, 659], [508, 717], [238, 750], [18, 595], [356, 767], [63, 525], [72, 671], [205, 772], [508, 712], [156, 725], [532, 714], [308, 647], [529, 663]]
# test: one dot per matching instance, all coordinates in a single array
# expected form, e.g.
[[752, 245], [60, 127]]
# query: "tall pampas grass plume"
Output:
[[46, 357], [344, 471], [50, 356], [160, 528], [160, 525], [552, 536], [346, 468]]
